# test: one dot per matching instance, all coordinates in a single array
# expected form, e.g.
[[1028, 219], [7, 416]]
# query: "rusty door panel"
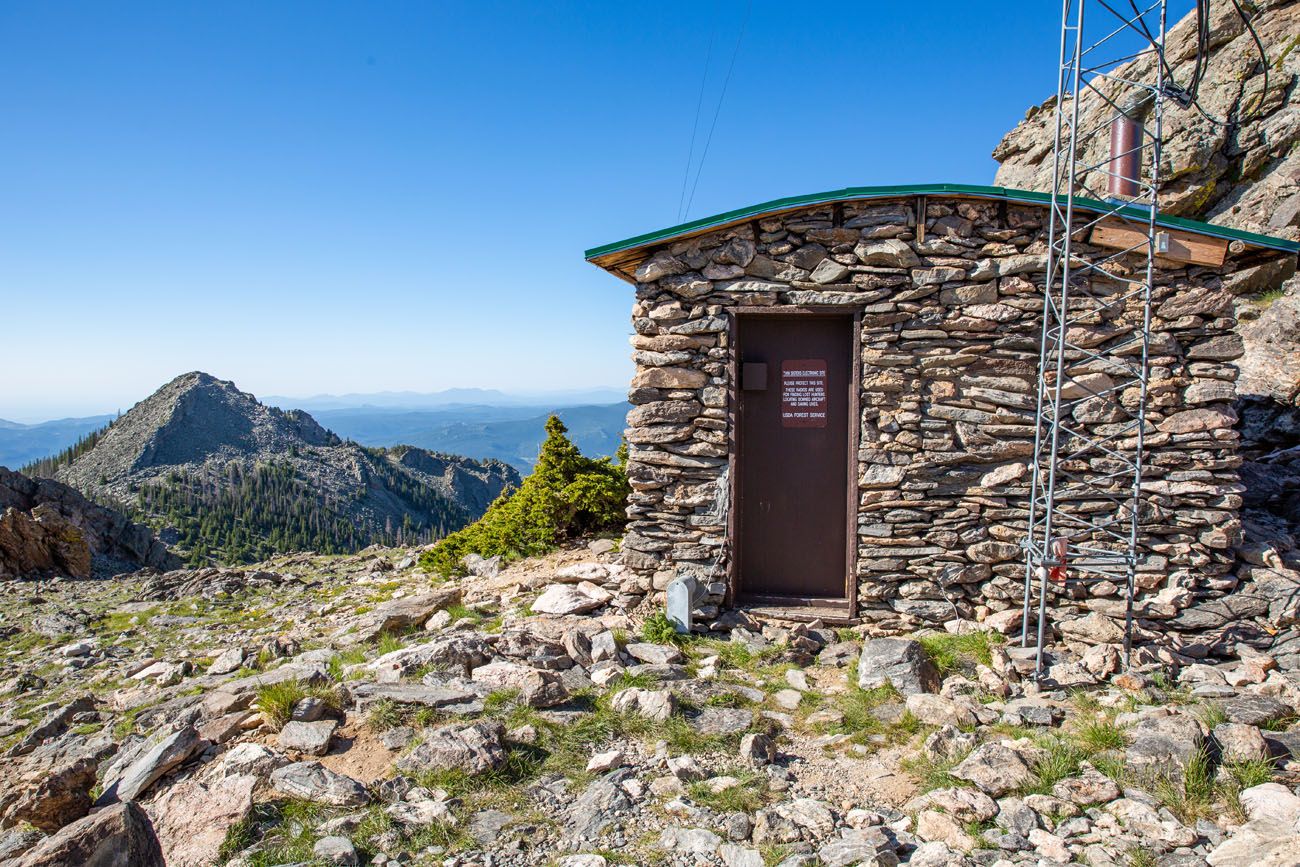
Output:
[[792, 462]]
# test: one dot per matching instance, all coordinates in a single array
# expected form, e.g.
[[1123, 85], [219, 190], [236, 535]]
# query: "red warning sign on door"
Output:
[[803, 392]]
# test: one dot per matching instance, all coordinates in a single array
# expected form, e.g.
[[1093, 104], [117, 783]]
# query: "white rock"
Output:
[[685, 768], [565, 599], [607, 761]]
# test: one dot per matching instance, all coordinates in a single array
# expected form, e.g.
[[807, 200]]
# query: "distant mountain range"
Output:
[[226, 477], [474, 397], [20, 444], [477, 423], [510, 434]]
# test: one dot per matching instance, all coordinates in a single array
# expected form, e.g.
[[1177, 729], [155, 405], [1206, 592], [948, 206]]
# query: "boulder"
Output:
[[654, 654], [337, 851], [1239, 742], [118, 836], [535, 686], [933, 826], [475, 749], [1164, 743], [757, 749], [314, 782], [457, 652], [308, 738], [191, 819], [966, 805], [689, 841], [649, 703], [56, 796], [165, 753], [571, 599], [994, 769], [935, 710], [899, 662], [859, 846], [228, 661], [1090, 787], [1255, 710], [397, 615]]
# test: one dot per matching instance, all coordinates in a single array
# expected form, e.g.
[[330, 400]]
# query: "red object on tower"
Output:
[[1059, 550]]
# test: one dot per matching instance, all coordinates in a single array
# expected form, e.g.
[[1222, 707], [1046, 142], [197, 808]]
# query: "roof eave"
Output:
[[611, 256]]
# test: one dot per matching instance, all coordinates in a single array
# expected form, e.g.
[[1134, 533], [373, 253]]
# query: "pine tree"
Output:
[[566, 495]]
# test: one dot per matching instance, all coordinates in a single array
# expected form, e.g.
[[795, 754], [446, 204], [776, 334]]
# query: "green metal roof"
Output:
[[959, 190]]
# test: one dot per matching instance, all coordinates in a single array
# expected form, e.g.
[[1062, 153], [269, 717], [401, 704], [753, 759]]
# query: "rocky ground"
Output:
[[349, 710]]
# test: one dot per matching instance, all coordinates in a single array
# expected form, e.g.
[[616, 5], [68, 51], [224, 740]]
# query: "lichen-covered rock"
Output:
[[312, 781], [474, 749], [994, 769]]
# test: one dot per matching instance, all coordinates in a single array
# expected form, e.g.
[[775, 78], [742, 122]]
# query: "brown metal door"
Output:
[[792, 455]]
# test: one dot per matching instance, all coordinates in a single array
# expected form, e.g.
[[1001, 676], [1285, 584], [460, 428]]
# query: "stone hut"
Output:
[[834, 405]]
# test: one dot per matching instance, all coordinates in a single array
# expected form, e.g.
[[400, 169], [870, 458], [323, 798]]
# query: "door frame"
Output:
[[853, 316]]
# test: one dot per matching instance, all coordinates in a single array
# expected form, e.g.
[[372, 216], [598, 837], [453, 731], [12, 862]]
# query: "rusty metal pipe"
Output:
[[1125, 166]]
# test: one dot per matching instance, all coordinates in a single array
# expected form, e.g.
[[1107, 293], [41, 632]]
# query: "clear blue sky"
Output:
[[336, 197]]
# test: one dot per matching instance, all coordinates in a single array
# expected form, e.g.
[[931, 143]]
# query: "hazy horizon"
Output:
[[374, 398]]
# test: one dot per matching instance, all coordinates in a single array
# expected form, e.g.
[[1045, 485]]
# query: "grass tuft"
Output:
[[951, 653], [1100, 736], [384, 715], [747, 796], [276, 700], [1191, 794]]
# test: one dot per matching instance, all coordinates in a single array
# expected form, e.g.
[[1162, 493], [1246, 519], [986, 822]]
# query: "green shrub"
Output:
[[658, 629], [566, 496]]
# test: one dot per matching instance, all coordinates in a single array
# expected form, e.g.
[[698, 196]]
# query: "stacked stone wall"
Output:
[[949, 342]]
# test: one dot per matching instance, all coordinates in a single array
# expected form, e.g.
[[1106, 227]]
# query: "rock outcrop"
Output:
[[1241, 169], [1242, 172], [47, 527]]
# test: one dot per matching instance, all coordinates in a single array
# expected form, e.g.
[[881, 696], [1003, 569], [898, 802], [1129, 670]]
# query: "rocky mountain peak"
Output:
[[193, 419], [227, 477]]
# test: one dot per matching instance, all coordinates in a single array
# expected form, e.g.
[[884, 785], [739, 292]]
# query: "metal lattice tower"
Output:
[[1086, 472]]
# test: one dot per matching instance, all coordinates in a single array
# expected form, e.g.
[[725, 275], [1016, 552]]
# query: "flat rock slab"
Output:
[[313, 781], [396, 615], [191, 818], [474, 749], [689, 841], [309, 738], [721, 720], [165, 754], [1255, 710], [486, 826], [411, 693]]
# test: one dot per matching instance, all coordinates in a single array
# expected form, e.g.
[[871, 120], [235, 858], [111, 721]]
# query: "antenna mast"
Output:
[[1086, 473]]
